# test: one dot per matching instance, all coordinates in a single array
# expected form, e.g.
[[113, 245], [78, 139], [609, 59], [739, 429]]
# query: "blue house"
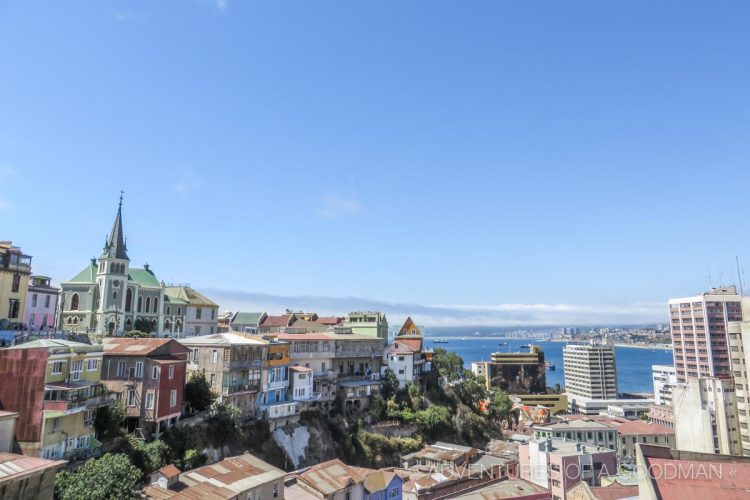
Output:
[[383, 485]]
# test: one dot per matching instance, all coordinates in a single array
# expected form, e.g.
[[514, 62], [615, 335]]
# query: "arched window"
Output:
[[74, 302], [140, 303], [129, 324], [178, 327], [179, 311], [148, 304], [167, 325], [70, 320], [156, 305], [75, 321], [169, 310], [128, 300]]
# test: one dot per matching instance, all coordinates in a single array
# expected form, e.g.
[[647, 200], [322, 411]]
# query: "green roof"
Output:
[[247, 318], [59, 343], [190, 295], [143, 277], [88, 275]]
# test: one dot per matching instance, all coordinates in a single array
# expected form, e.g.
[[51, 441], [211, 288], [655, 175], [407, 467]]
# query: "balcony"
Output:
[[244, 364], [240, 386], [276, 385]]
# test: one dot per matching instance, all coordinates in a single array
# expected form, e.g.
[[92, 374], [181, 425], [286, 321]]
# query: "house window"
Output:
[[92, 364], [33, 300], [214, 356], [156, 305], [74, 300], [32, 320], [139, 369], [148, 304], [198, 313], [46, 302], [131, 397], [213, 314], [173, 397], [140, 304], [13, 307], [150, 400], [76, 370], [128, 300], [171, 371], [394, 492], [155, 372], [195, 355], [275, 489], [213, 379], [57, 367], [16, 283]]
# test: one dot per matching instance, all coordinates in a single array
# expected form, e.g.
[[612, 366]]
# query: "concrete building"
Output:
[[661, 415], [518, 372], [26, 477], [148, 375], [201, 314], [244, 477], [559, 465], [583, 430], [56, 391], [481, 369], [639, 432], [15, 269], [590, 372], [373, 324], [405, 362], [706, 416], [589, 406], [664, 378], [233, 365], [302, 384], [41, 305], [699, 327]]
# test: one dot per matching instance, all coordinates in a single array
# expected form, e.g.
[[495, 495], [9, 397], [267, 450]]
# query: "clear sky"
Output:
[[528, 161]]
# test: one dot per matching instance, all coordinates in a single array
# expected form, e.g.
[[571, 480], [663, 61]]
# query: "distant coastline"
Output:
[[663, 347]]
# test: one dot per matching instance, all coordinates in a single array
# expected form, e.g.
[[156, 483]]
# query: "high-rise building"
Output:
[[590, 371], [664, 378], [706, 416], [699, 327]]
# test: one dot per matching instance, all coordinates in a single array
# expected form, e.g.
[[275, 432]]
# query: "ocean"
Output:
[[633, 364]]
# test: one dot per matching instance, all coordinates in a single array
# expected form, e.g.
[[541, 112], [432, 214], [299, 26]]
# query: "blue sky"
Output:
[[483, 162]]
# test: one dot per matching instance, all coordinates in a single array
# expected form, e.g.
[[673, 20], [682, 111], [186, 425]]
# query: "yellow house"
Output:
[[15, 268]]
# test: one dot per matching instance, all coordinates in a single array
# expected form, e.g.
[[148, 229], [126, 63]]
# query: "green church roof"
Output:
[[143, 277], [88, 275]]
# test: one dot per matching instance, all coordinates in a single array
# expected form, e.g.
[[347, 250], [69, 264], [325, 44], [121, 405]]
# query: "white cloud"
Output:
[[221, 5], [500, 315], [332, 207]]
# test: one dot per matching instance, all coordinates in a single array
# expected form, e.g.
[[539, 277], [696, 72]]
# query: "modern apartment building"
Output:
[[233, 365], [41, 304], [590, 372], [148, 375], [699, 327], [664, 378], [15, 268], [739, 349], [55, 386], [373, 324], [706, 416]]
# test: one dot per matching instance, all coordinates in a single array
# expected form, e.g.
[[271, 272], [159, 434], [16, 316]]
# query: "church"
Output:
[[109, 297]]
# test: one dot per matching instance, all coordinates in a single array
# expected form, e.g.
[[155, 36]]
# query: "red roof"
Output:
[[636, 427], [697, 479], [283, 320], [169, 471], [329, 320], [140, 347]]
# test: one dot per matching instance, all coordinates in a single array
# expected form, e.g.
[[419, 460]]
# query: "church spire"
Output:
[[115, 247]]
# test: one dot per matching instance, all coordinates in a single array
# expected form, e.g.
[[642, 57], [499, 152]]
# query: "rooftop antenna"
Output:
[[739, 275]]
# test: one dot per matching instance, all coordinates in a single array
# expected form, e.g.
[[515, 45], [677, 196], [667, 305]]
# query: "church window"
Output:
[[179, 311], [140, 303], [156, 305], [148, 304], [169, 310], [128, 300], [114, 294], [74, 302]]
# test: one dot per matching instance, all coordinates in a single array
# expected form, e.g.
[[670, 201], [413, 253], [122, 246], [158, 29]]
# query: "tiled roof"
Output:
[[169, 471], [190, 295], [329, 320], [12, 465], [700, 479], [635, 427], [139, 347], [283, 320], [332, 476], [144, 277]]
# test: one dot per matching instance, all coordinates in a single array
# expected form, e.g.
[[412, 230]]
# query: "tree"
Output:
[[111, 477], [224, 425], [144, 325], [108, 420], [151, 456], [377, 407], [136, 334], [198, 393], [500, 406], [471, 389], [428, 420], [415, 395], [390, 383], [448, 364]]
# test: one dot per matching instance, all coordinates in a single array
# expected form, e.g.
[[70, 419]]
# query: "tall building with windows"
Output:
[[699, 328], [664, 378], [590, 372], [15, 268], [41, 305]]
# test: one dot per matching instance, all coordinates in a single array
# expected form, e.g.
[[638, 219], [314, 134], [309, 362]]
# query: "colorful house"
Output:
[[15, 268], [369, 323], [56, 390], [275, 404]]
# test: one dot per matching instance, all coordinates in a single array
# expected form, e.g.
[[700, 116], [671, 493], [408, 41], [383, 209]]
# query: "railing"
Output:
[[245, 386], [279, 384], [244, 364]]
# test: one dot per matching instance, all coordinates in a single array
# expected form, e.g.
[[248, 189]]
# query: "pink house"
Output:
[[558, 464], [41, 304]]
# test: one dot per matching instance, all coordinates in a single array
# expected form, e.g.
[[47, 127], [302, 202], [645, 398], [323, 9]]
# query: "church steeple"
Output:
[[115, 247]]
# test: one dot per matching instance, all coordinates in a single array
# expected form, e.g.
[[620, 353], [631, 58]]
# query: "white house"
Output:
[[404, 361], [302, 383]]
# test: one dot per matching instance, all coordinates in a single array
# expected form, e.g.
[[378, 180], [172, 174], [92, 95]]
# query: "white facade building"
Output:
[[302, 383], [401, 359], [664, 378], [590, 373]]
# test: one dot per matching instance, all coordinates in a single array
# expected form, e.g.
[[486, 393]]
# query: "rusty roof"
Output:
[[332, 476], [140, 347], [169, 471]]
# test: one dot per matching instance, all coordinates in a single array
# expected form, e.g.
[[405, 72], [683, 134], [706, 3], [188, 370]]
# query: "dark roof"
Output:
[[115, 247]]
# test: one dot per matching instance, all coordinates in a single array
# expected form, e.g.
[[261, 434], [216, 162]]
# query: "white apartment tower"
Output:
[[590, 371], [664, 378]]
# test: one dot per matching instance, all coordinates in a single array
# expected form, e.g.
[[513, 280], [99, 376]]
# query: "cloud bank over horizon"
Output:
[[494, 315]]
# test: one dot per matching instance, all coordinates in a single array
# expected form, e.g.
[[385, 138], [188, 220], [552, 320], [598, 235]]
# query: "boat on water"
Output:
[[502, 343], [550, 365], [524, 346]]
